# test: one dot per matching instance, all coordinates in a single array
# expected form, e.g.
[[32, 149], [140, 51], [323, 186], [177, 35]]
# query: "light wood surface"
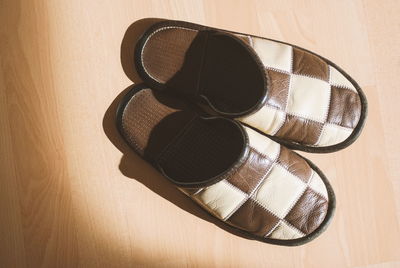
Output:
[[72, 195]]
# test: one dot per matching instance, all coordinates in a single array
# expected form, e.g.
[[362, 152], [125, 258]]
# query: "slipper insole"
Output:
[[219, 69], [186, 147]]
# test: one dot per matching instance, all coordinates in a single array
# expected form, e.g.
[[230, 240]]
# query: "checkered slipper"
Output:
[[255, 186], [297, 97]]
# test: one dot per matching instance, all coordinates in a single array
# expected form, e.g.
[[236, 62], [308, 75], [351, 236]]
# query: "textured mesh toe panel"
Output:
[[163, 56]]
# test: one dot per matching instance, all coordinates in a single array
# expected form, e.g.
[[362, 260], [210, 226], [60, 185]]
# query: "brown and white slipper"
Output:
[[293, 95], [255, 186]]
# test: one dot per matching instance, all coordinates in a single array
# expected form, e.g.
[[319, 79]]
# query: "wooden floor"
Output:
[[72, 195]]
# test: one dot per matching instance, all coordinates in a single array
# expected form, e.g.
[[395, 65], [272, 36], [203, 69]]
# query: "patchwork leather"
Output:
[[308, 101], [311, 104], [275, 194]]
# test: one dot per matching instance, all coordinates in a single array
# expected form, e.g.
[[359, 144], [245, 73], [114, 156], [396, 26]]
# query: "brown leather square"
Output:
[[300, 130], [278, 87], [295, 164], [309, 212], [253, 218], [305, 63], [345, 107], [251, 172]]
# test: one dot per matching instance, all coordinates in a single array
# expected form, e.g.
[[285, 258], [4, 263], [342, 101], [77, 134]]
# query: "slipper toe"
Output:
[[312, 104]]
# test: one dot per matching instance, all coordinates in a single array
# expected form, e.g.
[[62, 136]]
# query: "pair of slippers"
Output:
[[219, 113]]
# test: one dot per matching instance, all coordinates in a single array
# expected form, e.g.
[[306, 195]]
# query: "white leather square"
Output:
[[318, 185], [273, 54], [285, 232], [308, 98], [336, 78], [221, 198], [333, 134], [279, 191], [267, 119], [263, 144]]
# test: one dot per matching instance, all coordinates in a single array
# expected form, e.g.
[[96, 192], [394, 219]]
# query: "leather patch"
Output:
[[251, 172], [345, 107], [295, 164], [309, 212], [253, 218], [305, 63], [300, 130], [277, 89]]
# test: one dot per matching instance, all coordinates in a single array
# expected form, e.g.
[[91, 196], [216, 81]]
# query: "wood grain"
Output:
[[73, 195]]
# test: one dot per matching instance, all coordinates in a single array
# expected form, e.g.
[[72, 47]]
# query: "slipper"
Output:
[[254, 186], [184, 145], [293, 95]]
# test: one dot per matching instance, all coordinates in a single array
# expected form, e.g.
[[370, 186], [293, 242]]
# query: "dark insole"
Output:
[[221, 70], [194, 150]]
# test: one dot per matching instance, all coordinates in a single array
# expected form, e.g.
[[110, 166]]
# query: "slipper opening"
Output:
[[187, 148], [215, 67]]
